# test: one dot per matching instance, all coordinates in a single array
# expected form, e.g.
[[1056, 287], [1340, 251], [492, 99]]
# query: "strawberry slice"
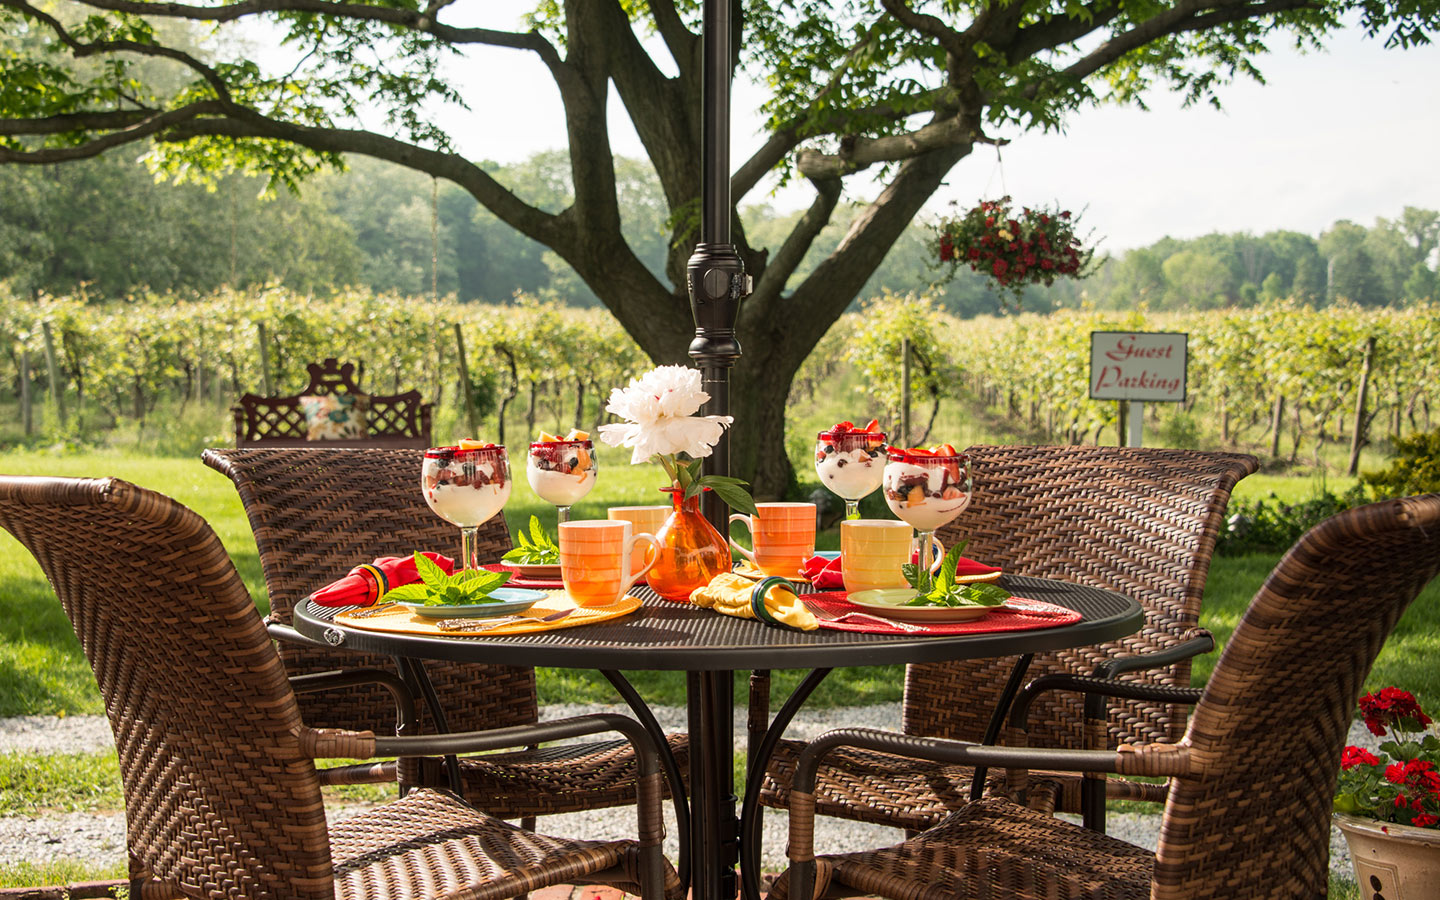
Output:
[[943, 450], [873, 427]]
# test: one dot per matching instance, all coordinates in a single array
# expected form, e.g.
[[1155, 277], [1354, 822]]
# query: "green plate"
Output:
[[890, 603]]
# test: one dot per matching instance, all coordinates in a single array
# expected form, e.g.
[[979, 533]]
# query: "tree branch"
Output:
[[955, 43], [860, 153], [678, 39], [1041, 36], [81, 50], [530, 221], [1183, 18], [418, 20], [792, 252], [67, 122], [153, 125]]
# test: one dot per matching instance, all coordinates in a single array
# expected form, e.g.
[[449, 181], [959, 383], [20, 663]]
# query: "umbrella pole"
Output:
[[716, 275]]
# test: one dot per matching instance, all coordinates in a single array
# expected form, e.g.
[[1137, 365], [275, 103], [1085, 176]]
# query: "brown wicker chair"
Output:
[[1139, 521], [316, 513], [221, 792], [1249, 813]]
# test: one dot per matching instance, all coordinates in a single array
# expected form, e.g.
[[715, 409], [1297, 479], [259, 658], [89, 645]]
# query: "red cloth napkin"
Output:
[[367, 583], [965, 567], [828, 575], [1018, 614], [824, 573]]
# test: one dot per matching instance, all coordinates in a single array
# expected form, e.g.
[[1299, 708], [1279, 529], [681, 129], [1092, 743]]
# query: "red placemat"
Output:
[[1019, 614], [524, 581]]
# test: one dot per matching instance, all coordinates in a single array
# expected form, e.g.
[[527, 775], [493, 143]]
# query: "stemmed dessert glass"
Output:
[[849, 465], [927, 490], [466, 486], [561, 472]]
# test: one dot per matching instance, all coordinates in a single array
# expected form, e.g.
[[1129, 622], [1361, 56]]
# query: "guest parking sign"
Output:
[[1138, 365]]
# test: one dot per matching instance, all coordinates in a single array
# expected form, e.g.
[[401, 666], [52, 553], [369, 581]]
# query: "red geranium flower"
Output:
[[1356, 756]]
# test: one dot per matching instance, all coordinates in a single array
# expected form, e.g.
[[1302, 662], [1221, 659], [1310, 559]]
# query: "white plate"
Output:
[[507, 602], [890, 603]]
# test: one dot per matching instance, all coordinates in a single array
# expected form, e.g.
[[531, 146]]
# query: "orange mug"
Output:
[[647, 520], [873, 550], [783, 534], [595, 560]]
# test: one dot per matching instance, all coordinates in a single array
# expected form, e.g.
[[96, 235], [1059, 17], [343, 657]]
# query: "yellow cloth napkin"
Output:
[[729, 593]]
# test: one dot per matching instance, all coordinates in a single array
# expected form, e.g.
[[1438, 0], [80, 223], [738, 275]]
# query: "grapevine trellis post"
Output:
[[905, 391], [52, 371], [26, 416], [1357, 438]]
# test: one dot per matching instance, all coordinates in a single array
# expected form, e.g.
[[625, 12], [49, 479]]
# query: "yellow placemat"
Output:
[[403, 621]]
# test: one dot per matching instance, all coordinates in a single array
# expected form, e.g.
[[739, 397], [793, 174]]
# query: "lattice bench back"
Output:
[[394, 421]]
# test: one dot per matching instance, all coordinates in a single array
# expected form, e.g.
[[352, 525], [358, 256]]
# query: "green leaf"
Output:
[[406, 593], [983, 595], [538, 535], [735, 497], [430, 573], [912, 577]]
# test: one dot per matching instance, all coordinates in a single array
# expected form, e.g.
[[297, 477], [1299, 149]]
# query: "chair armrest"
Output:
[[1159, 759], [1199, 641], [1096, 687], [325, 681]]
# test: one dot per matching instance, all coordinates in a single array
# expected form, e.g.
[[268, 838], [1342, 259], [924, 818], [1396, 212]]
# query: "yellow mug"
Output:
[[873, 550], [647, 520], [595, 560], [783, 535]]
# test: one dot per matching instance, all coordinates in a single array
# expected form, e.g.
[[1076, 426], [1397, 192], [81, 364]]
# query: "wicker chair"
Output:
[[1139, 521], [1249, 813], [221, 792], [316, 513]]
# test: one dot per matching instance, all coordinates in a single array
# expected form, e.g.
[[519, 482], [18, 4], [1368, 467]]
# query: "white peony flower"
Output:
[[664, 391], [659, 406]]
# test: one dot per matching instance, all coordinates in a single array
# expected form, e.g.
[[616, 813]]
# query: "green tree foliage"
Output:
[[1414, 470], [903, 90]]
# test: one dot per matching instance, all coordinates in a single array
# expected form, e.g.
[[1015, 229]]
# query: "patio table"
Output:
[[709, 647]]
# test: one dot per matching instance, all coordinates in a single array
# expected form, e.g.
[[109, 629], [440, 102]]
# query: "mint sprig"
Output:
[[435, 588], [538, 549], [942, 589]]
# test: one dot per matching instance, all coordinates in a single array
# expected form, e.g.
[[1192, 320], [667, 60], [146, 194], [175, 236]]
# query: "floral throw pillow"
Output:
[[334, 417]]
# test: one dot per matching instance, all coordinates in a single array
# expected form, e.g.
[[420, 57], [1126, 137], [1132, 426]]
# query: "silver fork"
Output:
[[474, 625], [826, 615]]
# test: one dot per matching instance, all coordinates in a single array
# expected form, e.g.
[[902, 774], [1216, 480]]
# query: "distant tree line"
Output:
[[106, 226]]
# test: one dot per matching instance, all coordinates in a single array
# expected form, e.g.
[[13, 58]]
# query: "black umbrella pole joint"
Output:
[[716, 274]]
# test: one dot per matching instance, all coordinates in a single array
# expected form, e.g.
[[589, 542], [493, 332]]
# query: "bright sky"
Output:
[[1351, 133]]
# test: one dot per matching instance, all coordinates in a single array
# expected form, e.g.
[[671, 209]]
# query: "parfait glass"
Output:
[[561, 472], [466, 487], [926, 491], [850, 465]]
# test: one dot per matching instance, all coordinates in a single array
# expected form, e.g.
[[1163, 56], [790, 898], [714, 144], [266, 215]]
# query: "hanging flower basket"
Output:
[[1031, 246]]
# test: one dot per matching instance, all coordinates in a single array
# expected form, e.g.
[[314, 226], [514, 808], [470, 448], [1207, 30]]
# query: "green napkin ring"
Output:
[[757, 599]]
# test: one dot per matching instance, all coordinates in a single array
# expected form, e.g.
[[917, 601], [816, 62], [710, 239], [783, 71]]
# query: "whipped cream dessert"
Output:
[[850, 461], [561, 472], [926, 492], [466, 487]]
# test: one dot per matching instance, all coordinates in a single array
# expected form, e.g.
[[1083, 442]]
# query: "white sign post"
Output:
[[1136, 366]]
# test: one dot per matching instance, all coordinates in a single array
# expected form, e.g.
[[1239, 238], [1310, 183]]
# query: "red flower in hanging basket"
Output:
[[1031, 247]]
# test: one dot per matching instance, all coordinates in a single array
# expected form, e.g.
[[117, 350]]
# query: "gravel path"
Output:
[[100, 838]]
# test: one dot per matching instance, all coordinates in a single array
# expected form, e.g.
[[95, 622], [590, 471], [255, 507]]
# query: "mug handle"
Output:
[[629, 554], [939, 551], [750, 526]]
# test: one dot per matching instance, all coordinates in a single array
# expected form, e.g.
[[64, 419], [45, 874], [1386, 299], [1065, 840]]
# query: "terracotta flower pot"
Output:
[[1392, 862]]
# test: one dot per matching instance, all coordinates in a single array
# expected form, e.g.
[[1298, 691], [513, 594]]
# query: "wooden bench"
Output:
[[397, 421]]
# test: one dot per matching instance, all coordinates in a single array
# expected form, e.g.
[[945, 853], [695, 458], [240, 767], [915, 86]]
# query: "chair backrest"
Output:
[[317, 513], [1266, 738], [392, 421], [218, 796], [1140, 521]]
